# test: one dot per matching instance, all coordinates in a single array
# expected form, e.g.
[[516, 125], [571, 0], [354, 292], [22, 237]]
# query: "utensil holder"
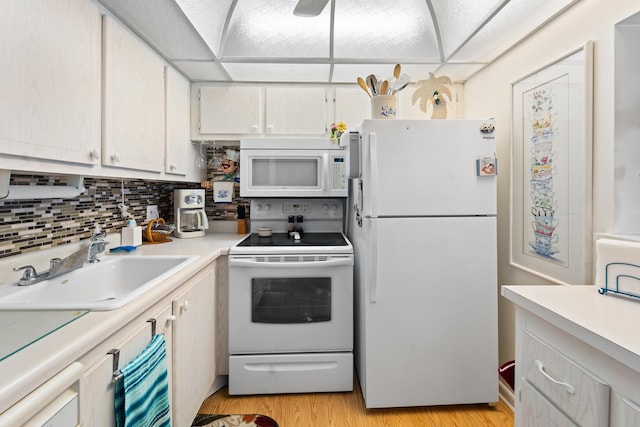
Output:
[[383, 107]]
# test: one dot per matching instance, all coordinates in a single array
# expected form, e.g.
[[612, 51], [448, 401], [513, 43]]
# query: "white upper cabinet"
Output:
[[133, 130], [296, 111], [352, 106], [177, 143], [230, 110], [50, 80]]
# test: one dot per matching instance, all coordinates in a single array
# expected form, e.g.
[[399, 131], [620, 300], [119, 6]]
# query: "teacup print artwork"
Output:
[[543, 132], [551, 179]]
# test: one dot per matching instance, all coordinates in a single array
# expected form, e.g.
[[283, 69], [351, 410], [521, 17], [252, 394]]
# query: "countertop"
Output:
[[608, 322], [71, 337]]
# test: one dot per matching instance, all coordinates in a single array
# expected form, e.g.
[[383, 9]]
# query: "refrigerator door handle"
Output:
[[373, 176], [373, 265]]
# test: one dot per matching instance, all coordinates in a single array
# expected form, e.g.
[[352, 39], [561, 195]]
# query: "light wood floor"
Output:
[[347, 410]]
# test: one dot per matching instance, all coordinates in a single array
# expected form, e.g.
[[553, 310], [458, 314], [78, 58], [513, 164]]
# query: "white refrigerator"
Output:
[[423, 226]]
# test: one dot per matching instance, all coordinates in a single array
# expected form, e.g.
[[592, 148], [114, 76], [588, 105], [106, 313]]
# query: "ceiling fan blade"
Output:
[[310, 7]]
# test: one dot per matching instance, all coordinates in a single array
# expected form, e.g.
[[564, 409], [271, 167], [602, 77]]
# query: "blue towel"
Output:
[[142, 395]]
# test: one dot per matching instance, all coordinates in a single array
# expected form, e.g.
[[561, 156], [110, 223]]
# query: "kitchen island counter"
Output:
[[608, 323]]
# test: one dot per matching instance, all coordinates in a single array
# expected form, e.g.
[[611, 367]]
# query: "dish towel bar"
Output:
[[141, 387]]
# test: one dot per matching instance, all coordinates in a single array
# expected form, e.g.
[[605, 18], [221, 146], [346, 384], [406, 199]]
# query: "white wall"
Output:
[[488, 93]]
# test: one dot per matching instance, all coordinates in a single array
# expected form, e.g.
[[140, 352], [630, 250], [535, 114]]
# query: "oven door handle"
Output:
[[234, 262]]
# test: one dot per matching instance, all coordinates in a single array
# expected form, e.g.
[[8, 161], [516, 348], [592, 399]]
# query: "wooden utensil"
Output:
[[384, 87], [363, 85], [396, 71]]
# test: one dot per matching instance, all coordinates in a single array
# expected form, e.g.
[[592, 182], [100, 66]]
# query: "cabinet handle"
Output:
[[115, 157], [185, 306], [171, 318], [269, 128], [568, 386], [95, 154], [172, 166], [255, 128]]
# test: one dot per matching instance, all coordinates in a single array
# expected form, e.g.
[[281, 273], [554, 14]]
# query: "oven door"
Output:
[[290, 303]]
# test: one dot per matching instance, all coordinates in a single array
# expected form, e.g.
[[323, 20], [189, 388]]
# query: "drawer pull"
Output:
[[568, 386]]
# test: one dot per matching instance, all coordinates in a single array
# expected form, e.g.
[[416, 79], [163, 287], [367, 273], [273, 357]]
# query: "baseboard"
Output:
[[218, 383], [506, 394]]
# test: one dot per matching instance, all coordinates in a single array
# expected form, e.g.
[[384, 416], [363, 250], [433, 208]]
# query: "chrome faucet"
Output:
[[57, 266], [97, 246]]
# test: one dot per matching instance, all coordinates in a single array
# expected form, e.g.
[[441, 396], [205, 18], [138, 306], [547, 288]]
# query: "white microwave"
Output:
[[293, 167]]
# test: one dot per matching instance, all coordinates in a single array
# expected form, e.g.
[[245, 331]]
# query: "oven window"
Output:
[[299, 172], [291, 300]]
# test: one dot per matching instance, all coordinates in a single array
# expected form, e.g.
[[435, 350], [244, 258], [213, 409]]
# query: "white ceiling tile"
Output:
[[262, 29], [458, 19], [401, 29], [501, 33], [262, 41], [208, 18], [163, 25]]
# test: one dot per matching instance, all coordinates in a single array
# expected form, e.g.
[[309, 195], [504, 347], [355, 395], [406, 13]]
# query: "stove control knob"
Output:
[[325, 207]]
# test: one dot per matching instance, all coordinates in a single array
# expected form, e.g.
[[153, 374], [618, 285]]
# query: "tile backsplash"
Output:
[[31, 225]]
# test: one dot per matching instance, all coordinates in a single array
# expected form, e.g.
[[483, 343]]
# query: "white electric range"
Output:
[[291, 300]]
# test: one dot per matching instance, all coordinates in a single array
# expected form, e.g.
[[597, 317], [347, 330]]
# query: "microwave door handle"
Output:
[[324, 171], [234, 262]]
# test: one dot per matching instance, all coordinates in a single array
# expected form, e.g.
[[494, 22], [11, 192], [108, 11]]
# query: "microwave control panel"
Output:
[[339, 173]]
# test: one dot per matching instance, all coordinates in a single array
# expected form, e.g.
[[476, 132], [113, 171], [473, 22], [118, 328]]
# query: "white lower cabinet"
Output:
[[97, 407], [194, 346], [187, 319], [561, 380], [575, 391]]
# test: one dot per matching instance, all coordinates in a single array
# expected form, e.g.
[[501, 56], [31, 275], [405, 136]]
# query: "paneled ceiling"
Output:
[[263, 41]]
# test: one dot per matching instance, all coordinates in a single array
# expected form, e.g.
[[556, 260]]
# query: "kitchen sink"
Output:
[[107, 285]]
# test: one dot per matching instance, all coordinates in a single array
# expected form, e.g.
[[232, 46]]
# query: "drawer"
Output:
[[290, 373], [575, 391], [536, 410]]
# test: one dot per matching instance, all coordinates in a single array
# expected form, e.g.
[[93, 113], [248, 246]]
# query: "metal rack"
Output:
[[623, 275], [117, 373]]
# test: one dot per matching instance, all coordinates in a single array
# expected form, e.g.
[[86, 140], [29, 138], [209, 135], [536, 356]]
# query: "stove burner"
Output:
[[283, 239]]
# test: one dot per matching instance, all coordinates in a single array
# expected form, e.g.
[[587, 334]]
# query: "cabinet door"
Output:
[[177, 142], [352, 107], [624, 412], [50, 80], [296, 111], [97, 407], [194, 340], [133, 101], [230, 110]]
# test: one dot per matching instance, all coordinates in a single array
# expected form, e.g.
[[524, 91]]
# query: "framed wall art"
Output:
[[551, 200]]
